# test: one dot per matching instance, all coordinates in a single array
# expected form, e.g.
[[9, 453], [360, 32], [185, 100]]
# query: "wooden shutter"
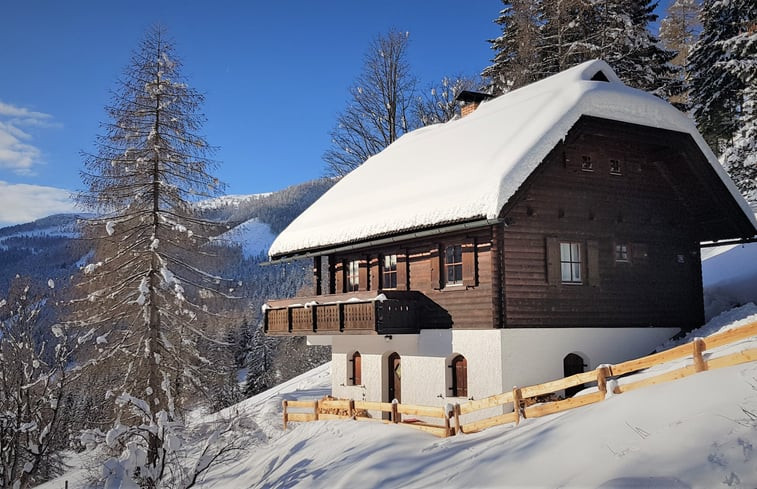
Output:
[[469, 262], [374, 273], [357, 369], [435, 264], [592, 263], [553, 261], [362, 275], [402, 270], [339, 271], [460, 376]]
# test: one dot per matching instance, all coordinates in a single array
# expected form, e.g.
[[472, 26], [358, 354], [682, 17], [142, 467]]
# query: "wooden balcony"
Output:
[[352, 313]]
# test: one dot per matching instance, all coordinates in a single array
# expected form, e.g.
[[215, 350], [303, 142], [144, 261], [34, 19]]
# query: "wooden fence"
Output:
[[525, 401]]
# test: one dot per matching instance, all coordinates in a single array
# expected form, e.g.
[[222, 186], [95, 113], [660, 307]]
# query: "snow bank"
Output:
[[500, 144]]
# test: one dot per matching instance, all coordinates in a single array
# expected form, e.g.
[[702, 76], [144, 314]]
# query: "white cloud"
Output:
[[17, 152], [23, 203]]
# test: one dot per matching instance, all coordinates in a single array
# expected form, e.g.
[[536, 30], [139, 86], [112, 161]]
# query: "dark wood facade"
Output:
[[633, 201]]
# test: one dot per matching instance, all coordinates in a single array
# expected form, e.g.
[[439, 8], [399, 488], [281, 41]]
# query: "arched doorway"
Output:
[[394, 377], [573, 364]]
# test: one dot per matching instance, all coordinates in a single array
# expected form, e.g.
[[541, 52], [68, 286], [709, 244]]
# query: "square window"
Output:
[[586, 164], [570, 262], [453, 264], [389, 272], [621, 252], [615, 167]]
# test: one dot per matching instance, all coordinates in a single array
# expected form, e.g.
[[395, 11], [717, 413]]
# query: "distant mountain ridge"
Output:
[[50, 247]]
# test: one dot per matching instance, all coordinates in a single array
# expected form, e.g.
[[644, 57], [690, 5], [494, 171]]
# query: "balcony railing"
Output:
[[352, 313]]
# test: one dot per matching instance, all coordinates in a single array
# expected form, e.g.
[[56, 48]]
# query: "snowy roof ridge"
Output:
[[420, 181]]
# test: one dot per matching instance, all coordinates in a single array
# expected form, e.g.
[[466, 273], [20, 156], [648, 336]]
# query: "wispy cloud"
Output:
[[23, 203], [17, 150]]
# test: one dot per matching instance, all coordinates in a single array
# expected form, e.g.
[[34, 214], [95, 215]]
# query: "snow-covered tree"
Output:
[[716, 89], [437, 103], [515, 61], [378, 111], [145, 296], [679, 31], [34, 379]]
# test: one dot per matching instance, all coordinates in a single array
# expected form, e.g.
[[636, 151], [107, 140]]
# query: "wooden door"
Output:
[[460, 376], [573, 364], [395, 377]]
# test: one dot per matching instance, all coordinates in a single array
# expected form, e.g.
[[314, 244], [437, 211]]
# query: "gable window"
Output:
[[570, 262], [586, 164], [621, 252], [453, 264], [459, 368], [389, 272], [353, 276], [615, 167], [357, 369]]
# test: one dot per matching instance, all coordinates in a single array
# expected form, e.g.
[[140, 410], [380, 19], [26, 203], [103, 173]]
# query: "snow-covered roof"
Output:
[[470, 167]]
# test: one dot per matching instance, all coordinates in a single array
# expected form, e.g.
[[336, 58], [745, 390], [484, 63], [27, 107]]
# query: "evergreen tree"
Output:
[[515, 62], [144, 296], [568, 35], [715, 90], [679, 31], [379, 108]]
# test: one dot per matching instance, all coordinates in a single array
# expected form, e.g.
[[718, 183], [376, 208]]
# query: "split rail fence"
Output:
[[525, 401]]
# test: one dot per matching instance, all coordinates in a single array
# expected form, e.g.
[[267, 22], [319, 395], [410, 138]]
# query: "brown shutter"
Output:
[[374, 272], [553, 261], [339, 271], [362, 274], [435, 264], [592, 259], [402, 270], [469, 262]]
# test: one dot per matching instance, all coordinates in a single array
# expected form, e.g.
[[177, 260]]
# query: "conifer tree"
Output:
[[715, 90], [516, 60], [145, 295]]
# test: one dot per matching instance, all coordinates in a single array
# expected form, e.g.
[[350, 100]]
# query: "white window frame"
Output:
[[571, 261]]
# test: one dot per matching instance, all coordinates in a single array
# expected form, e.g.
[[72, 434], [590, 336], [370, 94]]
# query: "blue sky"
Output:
[[275, 75]]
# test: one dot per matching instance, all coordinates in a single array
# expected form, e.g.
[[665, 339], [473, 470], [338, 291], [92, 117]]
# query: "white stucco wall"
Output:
[[498, 359]]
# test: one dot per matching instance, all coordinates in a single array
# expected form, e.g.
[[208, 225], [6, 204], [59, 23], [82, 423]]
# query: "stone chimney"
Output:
[[469, 101]]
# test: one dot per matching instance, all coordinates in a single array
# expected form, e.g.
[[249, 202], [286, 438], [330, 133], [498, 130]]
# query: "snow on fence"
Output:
[[525, 401]]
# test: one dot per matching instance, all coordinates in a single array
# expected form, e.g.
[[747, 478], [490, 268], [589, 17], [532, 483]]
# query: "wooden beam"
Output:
[[564, 405], [488, 422]]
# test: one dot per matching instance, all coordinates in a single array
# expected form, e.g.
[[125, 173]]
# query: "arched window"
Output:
[[459, 368], [357, 369]]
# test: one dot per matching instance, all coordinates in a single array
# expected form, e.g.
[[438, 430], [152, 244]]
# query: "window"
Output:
[[459, 368], [353, 276], [586, 164], [621, 252], [357, 369], [570, 262], [615, 167], [389, 272], [453, 265]]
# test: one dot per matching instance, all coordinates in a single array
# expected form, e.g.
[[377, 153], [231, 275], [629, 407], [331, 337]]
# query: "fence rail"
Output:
[[526, 402]]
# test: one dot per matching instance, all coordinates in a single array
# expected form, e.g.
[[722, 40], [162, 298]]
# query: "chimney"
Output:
[[469, 101]]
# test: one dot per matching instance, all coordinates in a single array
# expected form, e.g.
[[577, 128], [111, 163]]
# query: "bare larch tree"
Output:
[[145, 296]]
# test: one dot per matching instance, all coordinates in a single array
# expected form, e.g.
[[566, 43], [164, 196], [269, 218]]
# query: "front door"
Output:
[[573, 364], [395, 378]]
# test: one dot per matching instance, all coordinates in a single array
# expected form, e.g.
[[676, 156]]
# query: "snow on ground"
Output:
[[254, 236], [727, 281]]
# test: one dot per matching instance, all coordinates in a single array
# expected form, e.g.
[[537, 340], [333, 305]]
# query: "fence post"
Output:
[[602, 372], [284, 405], [447, 415], [457, 419], [352, 413], [317, 409], [516, 404], [395, 414], [699, 347]]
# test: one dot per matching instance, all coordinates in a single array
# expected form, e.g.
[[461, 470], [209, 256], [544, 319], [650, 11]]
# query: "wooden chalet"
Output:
[[560, 223]]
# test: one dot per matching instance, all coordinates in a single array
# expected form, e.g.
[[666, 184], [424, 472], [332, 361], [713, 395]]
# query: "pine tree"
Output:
[[568, 35], [515, 62], [144, 296], [715, 90], [679, 31], [740, 60], [378, 111]]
